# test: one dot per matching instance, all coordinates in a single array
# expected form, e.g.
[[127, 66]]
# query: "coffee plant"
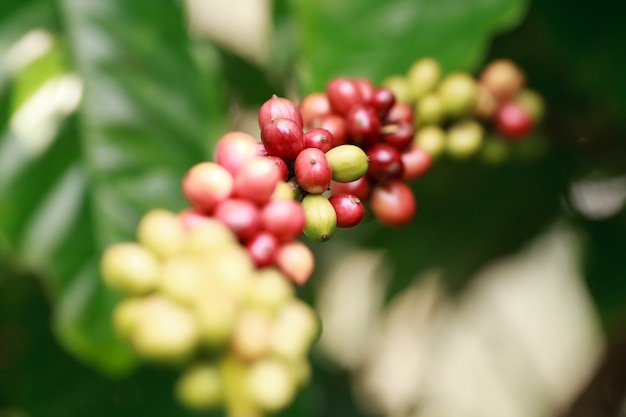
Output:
[[172, 191]]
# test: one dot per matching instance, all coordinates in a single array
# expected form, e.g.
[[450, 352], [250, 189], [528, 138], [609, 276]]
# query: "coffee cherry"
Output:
[[283, 218], [503, 78], [281, 167], [429, 110], [206, 184], [270, 385], [208, 234], [423, 76], [313, 171], [164, 332], [486, 103], [262, 248], [399, 86], [359, 188], [416, 161], [494, 151], [366, 87], [393, 203], [200, 387], [431, 139], [312, 106], [385, 162], [269, 290], [296, 261], [458, 94], [318, 138], [162, 232], [285, 190], [349, 209], [279, 108], [512, 121], [251, 336], [231, 268], [256, 180], [363, 125], [336, 125], [464, 138], [130, 268], [216, 312], [295, 328], [343, 93], [347, 162], [126, 314], [182, 278], [321, 219], [234, 149], [282, 138], [241, 216], [400, 112], [382, 100], [398, 135], [260, 149]]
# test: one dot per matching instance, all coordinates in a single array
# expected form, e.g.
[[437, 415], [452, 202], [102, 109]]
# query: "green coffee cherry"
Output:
[[347, 162], [295, 329], [464, 138], [399, 86], [200, 387], [162, 232], [429, 110], [269, 290], [270, 384], [321, 218], [458, 94], [423, 76], [130, 268], [431, 138], [495, 151], [126, 314], [182, 278], [216, 313], [532, 102]]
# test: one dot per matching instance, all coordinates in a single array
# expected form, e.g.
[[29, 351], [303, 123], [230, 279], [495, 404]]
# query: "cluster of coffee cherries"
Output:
[[196, 299], [359, 114], [490, 115]]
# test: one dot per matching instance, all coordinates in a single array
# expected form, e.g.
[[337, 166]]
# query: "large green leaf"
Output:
[[378, 38]]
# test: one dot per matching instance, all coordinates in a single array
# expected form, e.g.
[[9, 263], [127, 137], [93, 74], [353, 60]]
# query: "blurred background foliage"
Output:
[[105, 104]]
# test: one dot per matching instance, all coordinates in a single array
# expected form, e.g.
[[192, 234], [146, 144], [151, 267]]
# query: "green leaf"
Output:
[[376, 39]]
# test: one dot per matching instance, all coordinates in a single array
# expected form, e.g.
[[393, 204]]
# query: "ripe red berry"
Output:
[[319, 138], [283, 218], [262, 248], [279, 108], [336, 125], [359, 188], [206, 184], [343, 93], [385, 162], [416, 162], [283, 138], [256, 180], [399, 135], [393, 203], [400, 112], [281, 167], [366, 87], [382, 100], [363, 125], [349, 209], [313, 106], [234, 149], [313, 171], [296, 261], [512, 121], [241, 216]]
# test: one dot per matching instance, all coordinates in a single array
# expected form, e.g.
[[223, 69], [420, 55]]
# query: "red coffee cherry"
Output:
[[512, 121], [343, 94], [336, 125], [416, 161], [359, 188], [382, 100], [349, 209], [283, 218], [385, 162], [279, 108], [283, 138], [363, 125], [256, 180], [319, 138], [262, 248], [313, 171], [393, 203], [206, 184], [313, 106], [399, 135], [241, 216], [366, 87], [233, 149], [400, 112], [281, 166]]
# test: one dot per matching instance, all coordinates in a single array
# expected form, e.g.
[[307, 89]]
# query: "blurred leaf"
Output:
[[376, 39]]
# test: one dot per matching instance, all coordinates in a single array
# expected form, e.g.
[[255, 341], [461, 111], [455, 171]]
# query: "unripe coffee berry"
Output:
[[321, 219], [347, 162]]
